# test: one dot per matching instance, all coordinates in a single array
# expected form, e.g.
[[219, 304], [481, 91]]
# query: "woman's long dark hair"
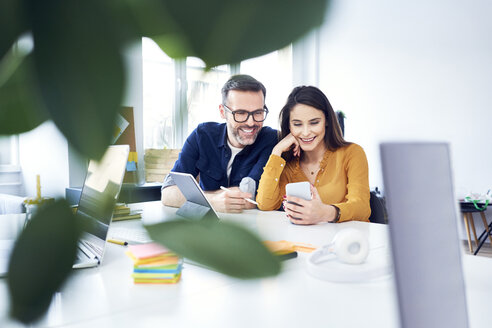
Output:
[[314, 97]]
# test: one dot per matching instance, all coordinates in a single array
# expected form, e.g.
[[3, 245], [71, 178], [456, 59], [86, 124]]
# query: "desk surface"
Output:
[[106, 296]]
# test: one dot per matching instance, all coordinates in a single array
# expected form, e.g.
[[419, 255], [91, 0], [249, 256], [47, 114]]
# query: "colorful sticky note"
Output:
[[131, 166]]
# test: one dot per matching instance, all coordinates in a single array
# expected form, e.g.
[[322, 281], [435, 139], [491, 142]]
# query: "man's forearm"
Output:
[[172, 196]]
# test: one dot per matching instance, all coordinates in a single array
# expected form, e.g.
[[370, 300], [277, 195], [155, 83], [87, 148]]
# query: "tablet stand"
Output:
[[195, 211]]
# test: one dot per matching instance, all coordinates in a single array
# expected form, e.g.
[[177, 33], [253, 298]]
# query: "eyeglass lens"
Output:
[[243, 116]]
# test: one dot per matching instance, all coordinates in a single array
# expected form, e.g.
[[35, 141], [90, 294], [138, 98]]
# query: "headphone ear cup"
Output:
[[351, 246]]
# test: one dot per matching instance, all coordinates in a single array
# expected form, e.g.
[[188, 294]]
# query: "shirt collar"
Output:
[[223, 133]]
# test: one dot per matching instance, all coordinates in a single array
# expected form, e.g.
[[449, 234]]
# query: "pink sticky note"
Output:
[[143, 251]]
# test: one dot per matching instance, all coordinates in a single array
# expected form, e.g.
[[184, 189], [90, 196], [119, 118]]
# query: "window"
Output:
[[9, 155], [158, 96], [203, 94], [274, 70], [179, 94]]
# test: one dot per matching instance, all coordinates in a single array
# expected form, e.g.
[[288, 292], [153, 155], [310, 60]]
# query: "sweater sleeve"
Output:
[[356, 205], [269, 194]]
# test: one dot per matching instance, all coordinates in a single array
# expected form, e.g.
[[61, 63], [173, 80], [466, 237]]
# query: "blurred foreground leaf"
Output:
[[12, 24], [77, 76], [21, 107], [79, 66], [222, 246], [224, 32], [42, 260]]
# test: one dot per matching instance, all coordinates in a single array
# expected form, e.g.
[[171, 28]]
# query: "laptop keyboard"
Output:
[[129, 235]]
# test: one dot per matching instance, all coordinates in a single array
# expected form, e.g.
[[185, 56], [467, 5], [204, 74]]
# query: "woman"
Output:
[[312, 149]]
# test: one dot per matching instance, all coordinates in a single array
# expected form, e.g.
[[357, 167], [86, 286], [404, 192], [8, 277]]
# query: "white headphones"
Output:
[[337, 260], [349, 245]]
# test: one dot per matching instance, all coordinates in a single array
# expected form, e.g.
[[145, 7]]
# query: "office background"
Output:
[[400, 71]]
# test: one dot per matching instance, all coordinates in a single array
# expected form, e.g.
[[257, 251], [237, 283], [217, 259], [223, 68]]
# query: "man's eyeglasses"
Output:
[[241, 115]]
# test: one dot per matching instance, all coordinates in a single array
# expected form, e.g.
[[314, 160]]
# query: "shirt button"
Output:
[[281, 164], [276, 179], [317, 180]]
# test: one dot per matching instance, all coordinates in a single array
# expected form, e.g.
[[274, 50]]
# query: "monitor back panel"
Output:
[[422, 215]]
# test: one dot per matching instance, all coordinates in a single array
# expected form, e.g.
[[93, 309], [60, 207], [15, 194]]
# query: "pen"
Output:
[[246, 199], [118, 242]]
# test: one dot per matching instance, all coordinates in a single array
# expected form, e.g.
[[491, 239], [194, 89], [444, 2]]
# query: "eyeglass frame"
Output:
[[233, 112]]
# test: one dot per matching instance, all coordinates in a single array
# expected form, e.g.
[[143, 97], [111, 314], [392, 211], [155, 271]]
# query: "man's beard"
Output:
[[237, 135]]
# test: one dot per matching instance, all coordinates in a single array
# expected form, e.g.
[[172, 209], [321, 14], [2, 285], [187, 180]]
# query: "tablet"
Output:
[[197, 205]]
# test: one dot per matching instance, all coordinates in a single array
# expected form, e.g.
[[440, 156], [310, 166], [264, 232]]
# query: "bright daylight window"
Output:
[[203, 94], [158, 96], [176, 89], [274, 70], [9, 151], [179, 94]]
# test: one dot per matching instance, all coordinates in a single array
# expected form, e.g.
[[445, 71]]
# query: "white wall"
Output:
[[414, 70], [44, 151]]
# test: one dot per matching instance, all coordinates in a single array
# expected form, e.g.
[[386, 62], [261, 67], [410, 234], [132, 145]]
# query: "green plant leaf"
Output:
[[221, 32], [21, 106], [42, 260], [12, 24], [222, 246], [80, 70]]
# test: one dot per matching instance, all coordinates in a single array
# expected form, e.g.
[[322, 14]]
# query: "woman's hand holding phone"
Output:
[[302, 211]]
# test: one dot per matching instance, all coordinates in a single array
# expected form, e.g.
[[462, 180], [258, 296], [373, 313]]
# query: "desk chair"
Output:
[[378, 208], [467, 210]]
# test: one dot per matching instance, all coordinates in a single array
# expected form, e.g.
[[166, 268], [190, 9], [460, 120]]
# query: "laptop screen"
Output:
[[99, 194]]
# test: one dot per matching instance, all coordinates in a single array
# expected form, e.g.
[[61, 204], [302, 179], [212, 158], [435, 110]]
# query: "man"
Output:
[[230, 154]]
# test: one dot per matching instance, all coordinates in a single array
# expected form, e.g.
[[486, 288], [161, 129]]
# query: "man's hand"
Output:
[[231, 201]]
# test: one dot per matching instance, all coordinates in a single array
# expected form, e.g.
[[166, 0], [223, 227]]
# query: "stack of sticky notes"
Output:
[[154, 264]]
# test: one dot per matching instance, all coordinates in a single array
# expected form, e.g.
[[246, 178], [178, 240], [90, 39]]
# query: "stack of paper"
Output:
[[123, 212], [154, 264]]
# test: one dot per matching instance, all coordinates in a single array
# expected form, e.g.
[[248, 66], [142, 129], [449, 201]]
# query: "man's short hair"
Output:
[[242, 82]]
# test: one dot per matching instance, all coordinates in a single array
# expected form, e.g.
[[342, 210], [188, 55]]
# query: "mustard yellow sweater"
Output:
[[342, 181]]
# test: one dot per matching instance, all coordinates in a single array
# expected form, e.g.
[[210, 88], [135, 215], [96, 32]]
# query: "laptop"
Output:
[[197, 205], [426, 248], [99, 194]]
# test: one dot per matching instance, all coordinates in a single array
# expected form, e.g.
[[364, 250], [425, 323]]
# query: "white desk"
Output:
[[106, 296]]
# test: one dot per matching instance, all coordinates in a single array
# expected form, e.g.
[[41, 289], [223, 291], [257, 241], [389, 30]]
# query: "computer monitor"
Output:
[[422, 216]]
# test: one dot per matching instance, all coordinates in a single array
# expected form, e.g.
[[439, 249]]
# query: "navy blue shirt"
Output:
[[207, 154]]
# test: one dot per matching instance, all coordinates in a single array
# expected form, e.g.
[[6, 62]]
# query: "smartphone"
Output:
[[299, 189]]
